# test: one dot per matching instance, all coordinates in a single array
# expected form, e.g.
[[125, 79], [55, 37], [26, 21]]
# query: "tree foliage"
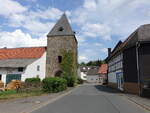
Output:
[[92, 63]]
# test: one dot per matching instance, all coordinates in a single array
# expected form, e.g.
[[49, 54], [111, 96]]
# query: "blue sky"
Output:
[[98, 24]]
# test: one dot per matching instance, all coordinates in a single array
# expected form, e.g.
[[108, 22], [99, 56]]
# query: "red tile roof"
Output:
[[21, 53], [103, 69]]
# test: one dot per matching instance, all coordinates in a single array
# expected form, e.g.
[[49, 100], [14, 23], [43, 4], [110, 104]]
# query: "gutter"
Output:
[[138, 69]]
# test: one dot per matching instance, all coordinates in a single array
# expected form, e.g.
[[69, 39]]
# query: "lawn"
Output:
[[13, 94]]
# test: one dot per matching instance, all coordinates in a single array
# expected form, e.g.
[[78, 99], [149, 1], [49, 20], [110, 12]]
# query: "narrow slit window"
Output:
[[59, 59], [0, 77], [38, 68]]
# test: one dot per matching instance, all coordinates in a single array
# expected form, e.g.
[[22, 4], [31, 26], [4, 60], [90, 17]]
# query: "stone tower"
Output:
[[60, 37]]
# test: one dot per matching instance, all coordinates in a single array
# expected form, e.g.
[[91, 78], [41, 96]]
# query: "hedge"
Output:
[[32, 83], [54, 84], [33, 80], [71, 80]]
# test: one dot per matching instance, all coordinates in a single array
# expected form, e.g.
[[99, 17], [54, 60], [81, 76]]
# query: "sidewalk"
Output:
[[143, 102], [28, 104]]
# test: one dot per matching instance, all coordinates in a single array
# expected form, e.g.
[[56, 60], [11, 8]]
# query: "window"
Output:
[[20, 69], [38, 68], [84, 76], [61, 29], [59, 59], [0, 77]]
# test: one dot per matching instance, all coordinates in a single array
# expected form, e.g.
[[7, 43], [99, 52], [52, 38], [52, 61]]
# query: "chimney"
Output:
[[109, 51]]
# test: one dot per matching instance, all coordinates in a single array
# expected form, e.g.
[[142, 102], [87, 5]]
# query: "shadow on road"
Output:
[[106, 89]]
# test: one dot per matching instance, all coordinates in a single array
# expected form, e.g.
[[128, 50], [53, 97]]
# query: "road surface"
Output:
[[92, 99]]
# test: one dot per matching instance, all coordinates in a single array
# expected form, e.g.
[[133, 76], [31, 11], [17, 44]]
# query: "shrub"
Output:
[[80, 81], [54, 84], [33, 80], [71, 80]]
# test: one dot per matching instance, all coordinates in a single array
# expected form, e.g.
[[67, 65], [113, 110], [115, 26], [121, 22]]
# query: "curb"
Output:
[[51, 100], [143, 106], [135, 102]]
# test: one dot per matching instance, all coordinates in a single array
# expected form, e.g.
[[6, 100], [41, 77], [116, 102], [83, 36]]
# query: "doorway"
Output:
[[0, 77], [120, 80]]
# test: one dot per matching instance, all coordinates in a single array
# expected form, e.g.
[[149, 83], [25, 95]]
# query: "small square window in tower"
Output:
[[60, 29], [59, 59]]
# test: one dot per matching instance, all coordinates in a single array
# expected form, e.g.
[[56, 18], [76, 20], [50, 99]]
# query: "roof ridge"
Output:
[[24, 47]]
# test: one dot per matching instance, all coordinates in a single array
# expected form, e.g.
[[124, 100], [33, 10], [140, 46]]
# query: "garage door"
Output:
[[11, 77]]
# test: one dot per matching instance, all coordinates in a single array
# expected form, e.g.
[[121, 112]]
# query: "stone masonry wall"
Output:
[[54, 46]]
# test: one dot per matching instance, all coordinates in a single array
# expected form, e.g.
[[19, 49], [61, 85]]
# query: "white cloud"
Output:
[[96, 30], [90, 4], [20, 39], [98, 44], [49, 13], [37, 22], [83, 59], [9, 7], [104, 50], [81, 39], [120, 17]]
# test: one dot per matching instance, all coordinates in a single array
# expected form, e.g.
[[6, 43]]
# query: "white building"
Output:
[[22, 63], [93, 75], [82, 72], [115, 71]]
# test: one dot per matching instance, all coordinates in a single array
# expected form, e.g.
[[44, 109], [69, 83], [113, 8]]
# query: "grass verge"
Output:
[[13, 94]]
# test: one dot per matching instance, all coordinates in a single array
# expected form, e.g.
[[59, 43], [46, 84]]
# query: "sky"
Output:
[[99, 24]]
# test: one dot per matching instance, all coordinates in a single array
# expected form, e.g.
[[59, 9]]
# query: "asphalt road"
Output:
[[92, 99]]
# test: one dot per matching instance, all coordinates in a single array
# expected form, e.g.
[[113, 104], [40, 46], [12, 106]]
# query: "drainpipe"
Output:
[[138, 69]]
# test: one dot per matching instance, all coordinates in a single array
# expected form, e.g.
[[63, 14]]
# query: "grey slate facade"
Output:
[[61, 37]]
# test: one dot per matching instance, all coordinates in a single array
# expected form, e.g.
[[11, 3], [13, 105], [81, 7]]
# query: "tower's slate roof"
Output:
[[62, 27]]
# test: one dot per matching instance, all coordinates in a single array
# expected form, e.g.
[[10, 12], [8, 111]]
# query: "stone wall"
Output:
[[55, 44]]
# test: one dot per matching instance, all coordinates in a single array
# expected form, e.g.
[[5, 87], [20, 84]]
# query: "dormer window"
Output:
[[61, 29]]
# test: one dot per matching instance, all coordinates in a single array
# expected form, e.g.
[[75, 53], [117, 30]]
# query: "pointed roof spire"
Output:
[[62, 27]]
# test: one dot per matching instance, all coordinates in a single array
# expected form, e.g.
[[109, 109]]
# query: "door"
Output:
[[0, 77], [119, 77], [11, 77]]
